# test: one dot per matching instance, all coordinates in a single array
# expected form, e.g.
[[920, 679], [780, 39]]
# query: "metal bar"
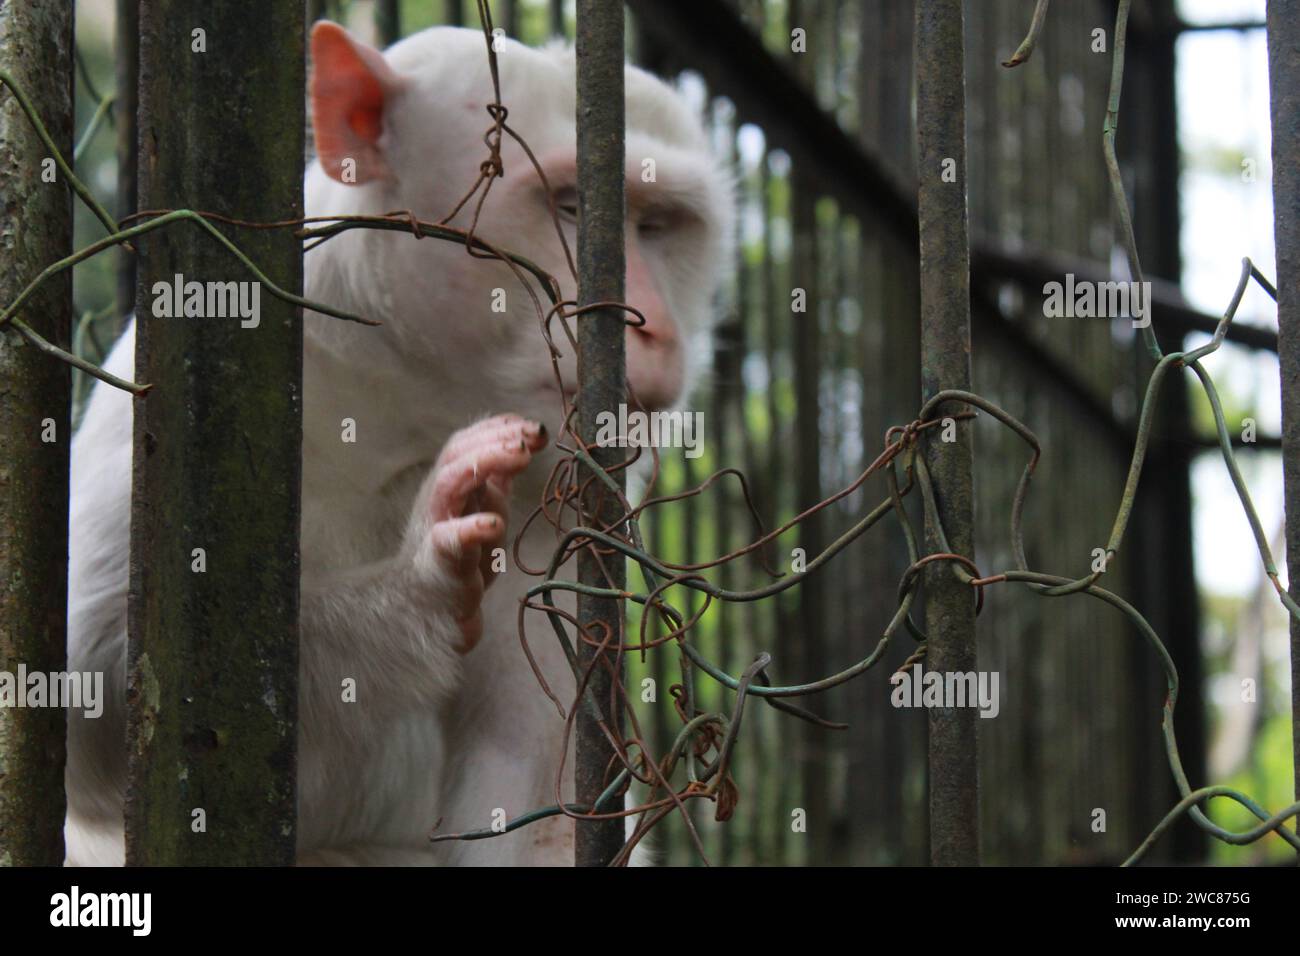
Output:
[[1284, 83], [35, 429], [945, 364], [212, 670], [1233, 26], [808, 653], [126, 63], [1152, 148], [772, 475], [1170, 311], [388, 21], [602, 378]]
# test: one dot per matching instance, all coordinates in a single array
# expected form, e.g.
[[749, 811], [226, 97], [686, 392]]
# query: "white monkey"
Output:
[[449, 398]]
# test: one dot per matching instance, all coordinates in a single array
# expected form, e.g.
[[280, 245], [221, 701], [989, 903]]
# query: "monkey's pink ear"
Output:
[[350, 86]]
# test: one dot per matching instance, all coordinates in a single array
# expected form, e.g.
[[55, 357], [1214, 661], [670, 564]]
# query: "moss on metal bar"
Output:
[[36, 48], [213, 655]]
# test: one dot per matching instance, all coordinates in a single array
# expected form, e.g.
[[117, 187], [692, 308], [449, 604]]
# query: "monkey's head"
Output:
[[404, 130]]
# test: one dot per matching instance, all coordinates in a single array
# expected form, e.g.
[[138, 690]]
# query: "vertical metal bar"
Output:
[[774, 301], [388, 21], [688, 533], [726, 366], [126, 61], [602, 379], [1284, 84], [36, 49], [1157, 224], [902, 772], [213, 634], [810, 653], [748, 298], [945, 364]]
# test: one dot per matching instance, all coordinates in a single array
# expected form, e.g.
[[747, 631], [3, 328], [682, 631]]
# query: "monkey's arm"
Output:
[[386, 639]]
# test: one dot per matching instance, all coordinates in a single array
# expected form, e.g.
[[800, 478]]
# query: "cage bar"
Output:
[[213, 607], [35, 428], [1284, 84], [945, 364], [602, 378]]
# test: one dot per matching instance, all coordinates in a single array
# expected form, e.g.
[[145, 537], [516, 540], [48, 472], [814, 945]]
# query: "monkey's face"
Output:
[[672, 251], [462, 315]]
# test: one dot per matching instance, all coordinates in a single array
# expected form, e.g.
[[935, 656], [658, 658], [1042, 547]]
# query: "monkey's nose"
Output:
[[654, 368], [657, 333]]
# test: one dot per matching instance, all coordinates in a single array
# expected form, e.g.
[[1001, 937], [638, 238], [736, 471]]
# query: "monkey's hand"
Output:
[[460, 513]]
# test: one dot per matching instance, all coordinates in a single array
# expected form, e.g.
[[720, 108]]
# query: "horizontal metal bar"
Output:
[[1240, 26], [1170, 311], [1269, 442]]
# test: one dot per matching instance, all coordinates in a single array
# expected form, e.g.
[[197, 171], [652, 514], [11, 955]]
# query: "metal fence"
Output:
[[821, 138], [821, 135]]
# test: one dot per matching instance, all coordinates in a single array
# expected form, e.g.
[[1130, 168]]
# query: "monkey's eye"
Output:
[[566, 203], [652, 225]]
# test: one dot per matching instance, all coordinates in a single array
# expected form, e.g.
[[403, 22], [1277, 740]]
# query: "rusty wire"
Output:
[[704, 747]]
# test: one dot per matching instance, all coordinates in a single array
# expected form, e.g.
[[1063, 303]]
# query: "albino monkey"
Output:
[[454, 403]]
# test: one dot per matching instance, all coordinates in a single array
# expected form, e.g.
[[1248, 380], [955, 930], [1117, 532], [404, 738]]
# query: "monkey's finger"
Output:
[[497, 425], [457, 542], [454, 483], [489, 432], [474, 447], [495, 496]]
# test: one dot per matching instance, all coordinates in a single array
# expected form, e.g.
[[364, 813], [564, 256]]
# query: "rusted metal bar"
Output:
[[945, 364], [602, 378], [212, 673], [1284, 84], [36, 49]]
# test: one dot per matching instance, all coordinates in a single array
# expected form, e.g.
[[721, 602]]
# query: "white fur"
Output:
[[434, 734]]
